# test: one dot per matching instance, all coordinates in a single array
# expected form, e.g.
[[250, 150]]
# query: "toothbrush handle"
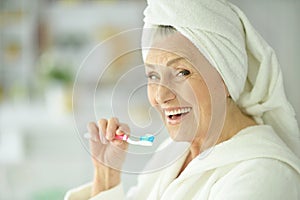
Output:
[[121, 137]]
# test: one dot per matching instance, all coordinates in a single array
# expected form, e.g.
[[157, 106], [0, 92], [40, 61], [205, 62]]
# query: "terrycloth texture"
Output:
[[222, 175], [247, 64]]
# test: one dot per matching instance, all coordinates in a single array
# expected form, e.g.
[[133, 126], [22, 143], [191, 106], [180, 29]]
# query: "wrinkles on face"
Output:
[[183, 84], [175, 86]]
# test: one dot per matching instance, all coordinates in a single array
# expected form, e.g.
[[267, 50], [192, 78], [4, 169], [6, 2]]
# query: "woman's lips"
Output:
[[175, 115]]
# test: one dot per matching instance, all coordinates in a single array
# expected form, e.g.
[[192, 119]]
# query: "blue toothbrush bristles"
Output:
[[149, 138]]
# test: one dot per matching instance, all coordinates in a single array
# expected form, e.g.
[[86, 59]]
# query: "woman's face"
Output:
[[177, 89]]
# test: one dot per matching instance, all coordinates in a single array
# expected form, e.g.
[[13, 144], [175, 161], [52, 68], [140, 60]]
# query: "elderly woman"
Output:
[[218, 86]]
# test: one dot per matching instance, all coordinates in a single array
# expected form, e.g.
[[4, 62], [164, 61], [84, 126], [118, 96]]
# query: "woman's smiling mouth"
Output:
[[175, 115]]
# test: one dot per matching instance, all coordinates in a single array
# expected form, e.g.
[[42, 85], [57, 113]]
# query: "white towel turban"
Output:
[[247, 64]]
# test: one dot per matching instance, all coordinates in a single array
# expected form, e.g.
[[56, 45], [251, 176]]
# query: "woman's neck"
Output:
[[235, 121]]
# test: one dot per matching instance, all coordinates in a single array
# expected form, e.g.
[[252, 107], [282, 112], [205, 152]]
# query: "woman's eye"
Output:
[[152, 77], [184, 73]]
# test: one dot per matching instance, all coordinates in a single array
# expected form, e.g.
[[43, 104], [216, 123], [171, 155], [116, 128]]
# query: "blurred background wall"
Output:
[[43, 42]]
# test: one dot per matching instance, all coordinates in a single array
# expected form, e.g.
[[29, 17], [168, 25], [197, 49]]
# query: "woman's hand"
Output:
[[108, 154]]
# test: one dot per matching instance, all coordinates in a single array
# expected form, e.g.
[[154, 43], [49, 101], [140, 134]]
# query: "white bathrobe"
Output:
[[255, 164]]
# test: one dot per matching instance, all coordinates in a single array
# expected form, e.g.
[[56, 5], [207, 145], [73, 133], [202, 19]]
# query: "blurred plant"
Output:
[[57, 78], [55, 71], [59, 73]]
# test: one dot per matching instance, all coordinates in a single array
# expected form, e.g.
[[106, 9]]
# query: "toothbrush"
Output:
[[146, 140]]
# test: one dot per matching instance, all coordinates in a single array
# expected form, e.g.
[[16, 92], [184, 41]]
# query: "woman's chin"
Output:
[[180, 138]]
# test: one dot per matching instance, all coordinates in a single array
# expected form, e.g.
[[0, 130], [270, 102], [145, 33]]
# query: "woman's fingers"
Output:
[[108, 129], [110, 151], [123, 129], [93, 130], [102, 124], [112, 126]]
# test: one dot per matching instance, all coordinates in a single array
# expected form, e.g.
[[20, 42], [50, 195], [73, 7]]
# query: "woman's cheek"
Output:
[[151, 94]]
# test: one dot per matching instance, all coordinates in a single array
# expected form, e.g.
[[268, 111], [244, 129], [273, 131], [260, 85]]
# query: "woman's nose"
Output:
[[164, 94]]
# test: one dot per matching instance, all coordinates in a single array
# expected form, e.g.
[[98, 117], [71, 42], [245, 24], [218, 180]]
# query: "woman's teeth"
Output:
[[177, 112]]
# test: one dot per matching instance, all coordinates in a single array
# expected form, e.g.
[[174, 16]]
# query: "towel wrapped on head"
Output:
[[247, 64]]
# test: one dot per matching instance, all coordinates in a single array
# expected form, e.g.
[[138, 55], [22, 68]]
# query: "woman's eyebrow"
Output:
[[149, 65], [169, 63], [172, 61]]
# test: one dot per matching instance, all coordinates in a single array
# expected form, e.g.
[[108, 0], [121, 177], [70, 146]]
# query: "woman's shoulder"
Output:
[[263, 178], [258, 143], [266, 169]]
